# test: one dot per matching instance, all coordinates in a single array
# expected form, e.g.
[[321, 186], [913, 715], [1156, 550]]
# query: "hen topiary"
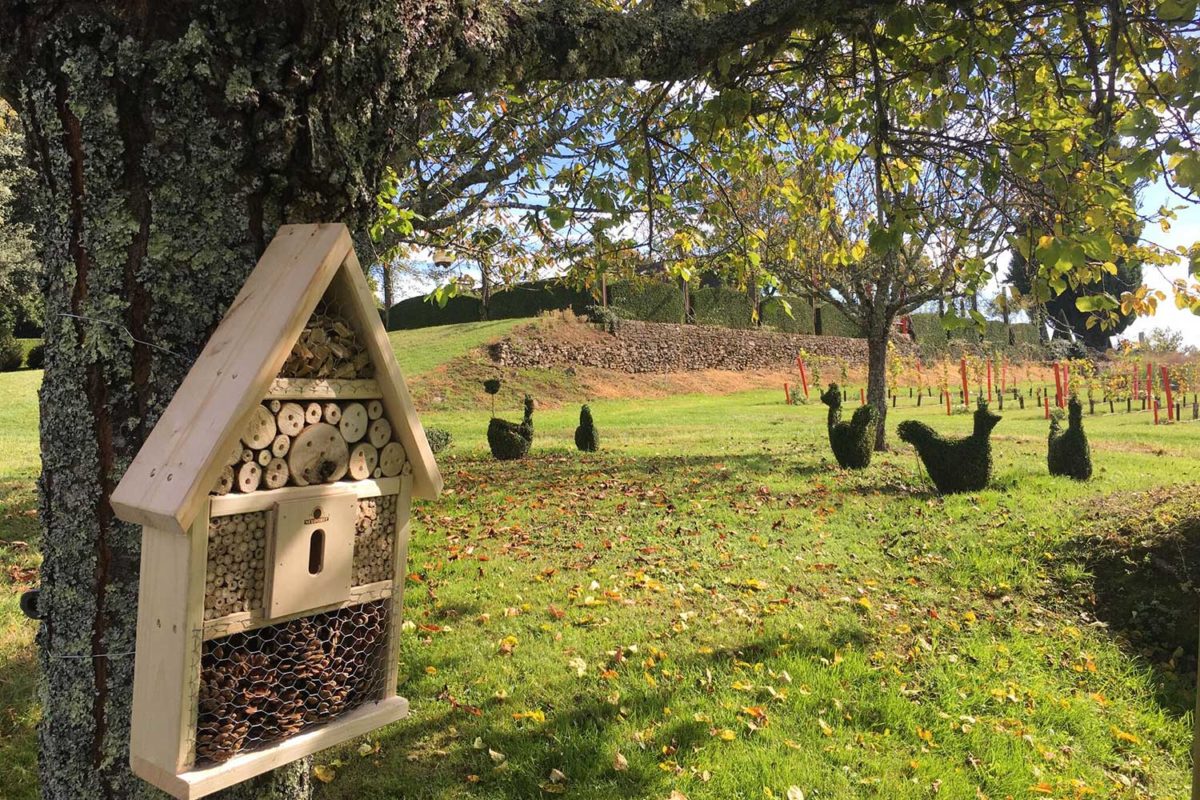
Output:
[[1068, 452], [851, 441], [509, 440], [587, 438], [954, 465]]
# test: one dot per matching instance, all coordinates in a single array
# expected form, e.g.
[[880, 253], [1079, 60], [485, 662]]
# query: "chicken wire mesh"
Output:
[[267, 685]]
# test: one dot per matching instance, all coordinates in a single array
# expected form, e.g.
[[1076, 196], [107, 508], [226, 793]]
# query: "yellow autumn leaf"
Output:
[[1124, 736], [724, 734], [324, 773], [825, 728]]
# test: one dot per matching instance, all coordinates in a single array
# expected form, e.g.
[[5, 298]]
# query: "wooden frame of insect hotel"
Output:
[[274, 497]]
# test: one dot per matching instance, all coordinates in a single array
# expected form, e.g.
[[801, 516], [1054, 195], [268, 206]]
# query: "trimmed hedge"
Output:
[[531, 299], [648, 301], [11, 353], [417, 312]]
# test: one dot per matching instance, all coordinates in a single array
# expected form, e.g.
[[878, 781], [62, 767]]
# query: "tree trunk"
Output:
[[168, 146], [877, 352], [816, 316], [387, 272], [485, 293]]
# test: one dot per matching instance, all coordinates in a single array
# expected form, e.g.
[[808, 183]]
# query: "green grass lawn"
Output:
[[421, 350], [709, 606]]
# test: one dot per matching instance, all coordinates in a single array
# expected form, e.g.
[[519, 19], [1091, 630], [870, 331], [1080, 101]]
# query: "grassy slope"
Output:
[[710, 567], [424, 349]]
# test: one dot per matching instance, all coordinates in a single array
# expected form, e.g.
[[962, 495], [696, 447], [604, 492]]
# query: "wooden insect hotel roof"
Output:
[[169, 480]]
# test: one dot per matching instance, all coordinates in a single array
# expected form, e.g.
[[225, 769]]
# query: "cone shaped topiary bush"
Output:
[[509, 440], [954, 465], [851, 441], [587, 438], [1068, 452]]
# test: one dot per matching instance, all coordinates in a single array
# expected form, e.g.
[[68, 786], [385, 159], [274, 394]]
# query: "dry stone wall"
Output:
[[659, 347]]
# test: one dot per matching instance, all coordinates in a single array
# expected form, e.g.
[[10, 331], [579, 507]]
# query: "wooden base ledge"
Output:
[[202, 782]]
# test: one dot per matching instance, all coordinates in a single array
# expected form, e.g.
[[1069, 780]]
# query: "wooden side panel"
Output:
[[351, 288], [400, 564], [180, 460], [169, 637]]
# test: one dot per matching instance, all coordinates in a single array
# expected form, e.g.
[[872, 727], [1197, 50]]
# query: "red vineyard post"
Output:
[[787, 393], [1166, 381], [962, 369], [803, 376], [989, 379]]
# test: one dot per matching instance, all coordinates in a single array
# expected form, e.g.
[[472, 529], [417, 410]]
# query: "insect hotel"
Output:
[[274, 497]]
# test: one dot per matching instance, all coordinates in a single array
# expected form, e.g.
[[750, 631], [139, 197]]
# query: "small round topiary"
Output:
[[36, 357], [439, 439], [587, 438], [492, 385], [10, 353]]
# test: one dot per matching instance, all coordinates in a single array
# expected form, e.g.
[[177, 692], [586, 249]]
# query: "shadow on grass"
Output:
[[434, 756], [1140, 563]]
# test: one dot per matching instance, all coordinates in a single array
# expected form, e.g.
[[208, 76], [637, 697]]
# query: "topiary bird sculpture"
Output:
[[1068, 452], [510, 440], [954, 465], [851, 441]]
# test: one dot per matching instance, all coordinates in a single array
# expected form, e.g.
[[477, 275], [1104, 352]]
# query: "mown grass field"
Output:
[[710, 607]]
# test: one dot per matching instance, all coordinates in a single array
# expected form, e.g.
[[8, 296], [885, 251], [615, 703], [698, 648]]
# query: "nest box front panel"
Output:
[[312, 553]]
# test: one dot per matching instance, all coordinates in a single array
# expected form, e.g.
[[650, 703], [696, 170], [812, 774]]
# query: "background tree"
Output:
[[20, 300]]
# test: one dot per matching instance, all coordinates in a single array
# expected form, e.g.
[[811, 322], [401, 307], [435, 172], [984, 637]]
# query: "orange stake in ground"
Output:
[[962, 368], [1166, 379], [787, 394], [989, 379], [803, 376]]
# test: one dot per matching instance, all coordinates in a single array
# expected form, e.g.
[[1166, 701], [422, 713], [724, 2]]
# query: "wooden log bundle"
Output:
[[285, 443], [328, 348]]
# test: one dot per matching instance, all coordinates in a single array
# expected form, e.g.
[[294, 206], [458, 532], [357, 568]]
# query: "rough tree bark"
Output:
[[171, 139], [170, 144], [878, 334]]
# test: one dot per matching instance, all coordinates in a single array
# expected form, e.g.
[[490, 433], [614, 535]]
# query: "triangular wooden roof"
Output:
[[169, 479]]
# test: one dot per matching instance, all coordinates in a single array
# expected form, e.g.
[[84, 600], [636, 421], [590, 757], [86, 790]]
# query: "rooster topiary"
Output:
[[1069, 453], [587, 438], [954, 465], [509, 440], [851, 441]]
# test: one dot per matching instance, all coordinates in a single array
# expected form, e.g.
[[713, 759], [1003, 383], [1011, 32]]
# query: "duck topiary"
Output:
[[587, 438], [851, 441], [1068, 452], [510, 440], [954, 465]]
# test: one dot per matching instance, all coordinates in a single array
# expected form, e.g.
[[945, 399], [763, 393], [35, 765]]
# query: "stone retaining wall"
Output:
[[661, 347]]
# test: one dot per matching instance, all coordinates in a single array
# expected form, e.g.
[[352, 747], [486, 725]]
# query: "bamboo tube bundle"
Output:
[[236, 574], [373, 540], [267, 685]]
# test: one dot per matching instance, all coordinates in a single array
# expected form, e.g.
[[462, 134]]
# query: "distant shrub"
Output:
[[606, 316], [36, 357], [439, 439], [11, 354], [587, 439]]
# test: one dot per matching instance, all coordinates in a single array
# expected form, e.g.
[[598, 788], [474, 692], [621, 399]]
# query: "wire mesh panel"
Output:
[[269, 684]]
